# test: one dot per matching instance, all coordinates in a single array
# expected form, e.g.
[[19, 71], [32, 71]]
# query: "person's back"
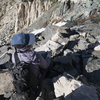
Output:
[[23, 44]]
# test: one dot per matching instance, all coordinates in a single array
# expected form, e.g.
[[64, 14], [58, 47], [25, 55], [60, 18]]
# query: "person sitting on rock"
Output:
[[23, 44]]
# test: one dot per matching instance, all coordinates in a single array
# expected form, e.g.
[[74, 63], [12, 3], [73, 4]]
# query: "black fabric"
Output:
[[26, 73], [19, 46], [17, 61], [27, 38]]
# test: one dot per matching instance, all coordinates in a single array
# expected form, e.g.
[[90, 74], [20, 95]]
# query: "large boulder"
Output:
[[91, 69], [56, 48], [72, 89], [55, 33], [6, 84]]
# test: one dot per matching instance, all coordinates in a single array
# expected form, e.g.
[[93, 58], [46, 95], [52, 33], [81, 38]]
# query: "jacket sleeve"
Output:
[[43, 63]]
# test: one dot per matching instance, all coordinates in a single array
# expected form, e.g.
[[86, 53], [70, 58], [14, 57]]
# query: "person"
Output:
[[23, 44]]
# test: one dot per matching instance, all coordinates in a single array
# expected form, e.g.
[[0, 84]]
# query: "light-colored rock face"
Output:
[[75, 1], [97, 48], [6, 85], [16, 15]]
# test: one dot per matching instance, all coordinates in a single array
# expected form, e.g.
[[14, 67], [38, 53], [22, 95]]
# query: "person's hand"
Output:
[[49, 52]]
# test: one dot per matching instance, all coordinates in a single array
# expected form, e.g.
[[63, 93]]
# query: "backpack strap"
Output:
[[17, 61]]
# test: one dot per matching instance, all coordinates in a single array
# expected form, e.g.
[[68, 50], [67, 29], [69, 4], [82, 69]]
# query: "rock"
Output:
[[67, 59], [6, 84], [51, 46], [91, 40], [63, 59], [64, 81], [55, 33], [73, 37], [20, 96], [91, 70], [72, 89], [60, 98], [48, 33], [3, 49], [81, 93], [58, 68], [78, 67], [83, 79], [59, 38], [83, 34], [81, 45], [39, 98], [74, 45], [96, 54], [97, 48], [98, 38], [5, 58], [67, 65], [68, 51], [87, 53]]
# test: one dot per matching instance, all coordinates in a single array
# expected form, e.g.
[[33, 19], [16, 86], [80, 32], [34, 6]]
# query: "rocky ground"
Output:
[[75, 61], [74, 40]]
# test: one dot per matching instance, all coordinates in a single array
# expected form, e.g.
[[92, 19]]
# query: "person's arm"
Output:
[[43, 63], [48, 57]]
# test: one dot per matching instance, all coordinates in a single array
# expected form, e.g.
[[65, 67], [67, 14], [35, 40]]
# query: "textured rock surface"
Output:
[[74, 44], [72, 89], [6, 84]]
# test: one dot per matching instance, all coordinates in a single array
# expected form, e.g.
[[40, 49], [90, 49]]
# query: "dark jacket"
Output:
[[35, 59]]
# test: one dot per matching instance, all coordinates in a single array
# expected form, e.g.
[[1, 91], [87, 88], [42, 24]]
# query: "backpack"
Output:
[[25, 79]]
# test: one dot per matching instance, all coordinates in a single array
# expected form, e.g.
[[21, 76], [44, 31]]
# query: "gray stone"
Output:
[[73, 37], [54, 33], [68, 66], [78, 67], [98, 38], [91, 45], [58, 68], [48, 33], [71, 70], [39, 98], [81, 45], [6, 84], [96, 54], [59, 38], [63, 59], [3, 49], [68, 51], [87, 53], [56, 48], [88, 3], [4, 59], [72, 89], [21, 96], [91, 40], [83, 79], [91, 69], [81, 93], [71, 44]]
